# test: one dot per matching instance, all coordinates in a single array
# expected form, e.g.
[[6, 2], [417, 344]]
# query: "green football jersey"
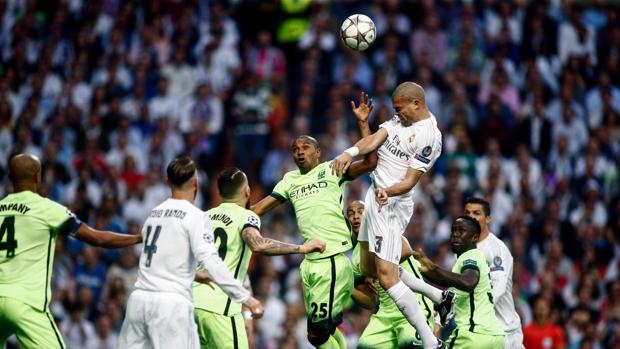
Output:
[[30, 225], [228, 221], [387, 307], [317, 199], [474, 310]]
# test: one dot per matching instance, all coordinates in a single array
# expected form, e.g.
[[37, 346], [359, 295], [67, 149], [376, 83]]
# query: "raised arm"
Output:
[[104, 238], [466, 281], [369, 162], [271, 247], [364, 146], [265, 205]]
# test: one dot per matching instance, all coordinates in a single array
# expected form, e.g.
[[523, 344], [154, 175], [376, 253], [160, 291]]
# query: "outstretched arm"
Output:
[[364, 146], [104, 238], [361, 113], [466, 281], [265, 205], [271, 247]]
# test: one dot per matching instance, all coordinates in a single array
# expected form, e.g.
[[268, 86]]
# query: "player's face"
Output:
[[404, 110], [305, 153], [463, 237], [476, 211], [355, 212]]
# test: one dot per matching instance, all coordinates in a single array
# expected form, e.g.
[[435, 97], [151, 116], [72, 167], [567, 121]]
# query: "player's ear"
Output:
[[487, 220]]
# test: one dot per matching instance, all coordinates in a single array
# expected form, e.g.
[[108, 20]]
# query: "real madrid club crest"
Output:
[[411, 138]]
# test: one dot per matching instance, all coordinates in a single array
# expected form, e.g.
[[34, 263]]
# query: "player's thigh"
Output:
[[171, 322], [514, 340], [470, 340], [385, 229], [327, 285], [378, 334], [33, 328], [219, 331], [133, 331]]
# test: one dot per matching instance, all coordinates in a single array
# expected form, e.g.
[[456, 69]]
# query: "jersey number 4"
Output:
[[150, 248], [8, 228]]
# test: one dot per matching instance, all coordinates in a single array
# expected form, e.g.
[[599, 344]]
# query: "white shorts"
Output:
[[514, 340], [383, 229], [158, 320]]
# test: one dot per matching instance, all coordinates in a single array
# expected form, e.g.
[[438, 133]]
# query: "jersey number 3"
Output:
[[150, 248], [8, 228]]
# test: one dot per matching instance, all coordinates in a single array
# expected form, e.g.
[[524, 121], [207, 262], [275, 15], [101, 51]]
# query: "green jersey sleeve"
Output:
[[252, 220], [61, 219], [281, 190]]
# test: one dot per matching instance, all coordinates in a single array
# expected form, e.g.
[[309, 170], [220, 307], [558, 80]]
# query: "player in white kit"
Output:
[[407, 146], [176, 235], [500, 263]]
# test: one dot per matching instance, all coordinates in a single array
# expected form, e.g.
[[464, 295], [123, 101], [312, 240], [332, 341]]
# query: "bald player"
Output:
[[28, 232], [407, 147]]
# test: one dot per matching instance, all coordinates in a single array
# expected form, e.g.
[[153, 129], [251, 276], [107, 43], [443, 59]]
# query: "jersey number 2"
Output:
[[8, 228], [150, 248], [220, 234]]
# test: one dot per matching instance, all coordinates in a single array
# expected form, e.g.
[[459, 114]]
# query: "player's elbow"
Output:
[[469, 285], [256, 248]]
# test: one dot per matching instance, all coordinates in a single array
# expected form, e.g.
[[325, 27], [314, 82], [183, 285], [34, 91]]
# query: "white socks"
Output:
[[419, 286], [407, 302]]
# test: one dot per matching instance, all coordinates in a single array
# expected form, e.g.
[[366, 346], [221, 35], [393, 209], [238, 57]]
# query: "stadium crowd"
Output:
[[526, 94]]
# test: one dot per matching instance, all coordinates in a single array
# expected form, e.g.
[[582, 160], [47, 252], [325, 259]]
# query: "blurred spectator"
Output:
[[542, 333]]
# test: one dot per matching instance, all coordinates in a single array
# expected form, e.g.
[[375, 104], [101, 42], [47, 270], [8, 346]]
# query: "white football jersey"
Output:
[[500, 263], [176, 236], [417, 146]]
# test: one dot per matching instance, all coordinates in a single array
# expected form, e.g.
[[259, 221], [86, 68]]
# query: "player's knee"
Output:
[[388, 277], [318, 333]]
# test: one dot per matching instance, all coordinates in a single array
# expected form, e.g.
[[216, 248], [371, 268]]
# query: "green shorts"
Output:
[[219, 331], [327, 285], [33, 328], [388, 333], [466, 340]]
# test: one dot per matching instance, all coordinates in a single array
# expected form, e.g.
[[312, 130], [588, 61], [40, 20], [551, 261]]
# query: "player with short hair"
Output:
[[30, 225], [500, 262], [237, 234], [407, 146], [476, 323], [177, 235], [388, 328], [316, 195]]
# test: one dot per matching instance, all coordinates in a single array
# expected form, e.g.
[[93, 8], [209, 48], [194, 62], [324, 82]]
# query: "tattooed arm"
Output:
[[271, 247]]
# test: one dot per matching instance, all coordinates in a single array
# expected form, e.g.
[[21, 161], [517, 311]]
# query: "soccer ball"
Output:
[[358, 32]]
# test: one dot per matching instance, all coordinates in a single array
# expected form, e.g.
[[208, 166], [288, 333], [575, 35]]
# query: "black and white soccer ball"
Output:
[[358, 32]]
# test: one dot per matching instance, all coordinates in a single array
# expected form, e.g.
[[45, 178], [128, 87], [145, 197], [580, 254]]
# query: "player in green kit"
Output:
[[29, 227], [477, 327], [237, 234], [316, 195], [388, 328]]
